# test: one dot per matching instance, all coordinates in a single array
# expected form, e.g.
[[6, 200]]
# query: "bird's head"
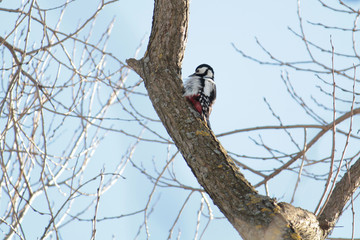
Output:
[[204, 70]]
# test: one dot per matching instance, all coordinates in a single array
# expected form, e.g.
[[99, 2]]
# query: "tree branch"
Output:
[[339, 197], [254, 216]]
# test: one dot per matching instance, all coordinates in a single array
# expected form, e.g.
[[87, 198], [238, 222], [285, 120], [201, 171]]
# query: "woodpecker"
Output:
[[200, 90]]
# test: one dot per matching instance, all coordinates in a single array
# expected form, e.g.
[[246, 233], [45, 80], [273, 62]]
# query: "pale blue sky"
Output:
[[242, 86]]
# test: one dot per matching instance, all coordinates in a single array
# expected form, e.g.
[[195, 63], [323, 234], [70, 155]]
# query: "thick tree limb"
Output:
[[254, 216], [339, 197]]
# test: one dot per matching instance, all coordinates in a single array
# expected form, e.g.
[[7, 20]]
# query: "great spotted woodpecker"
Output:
[[200, 90]]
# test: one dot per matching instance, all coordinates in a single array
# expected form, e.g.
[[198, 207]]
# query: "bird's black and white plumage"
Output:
[[200, 90]]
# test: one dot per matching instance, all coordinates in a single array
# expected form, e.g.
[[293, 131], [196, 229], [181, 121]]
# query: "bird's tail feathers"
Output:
[[208, 122]]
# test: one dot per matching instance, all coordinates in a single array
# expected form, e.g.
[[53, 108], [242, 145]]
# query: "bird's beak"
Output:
[[192, 75]]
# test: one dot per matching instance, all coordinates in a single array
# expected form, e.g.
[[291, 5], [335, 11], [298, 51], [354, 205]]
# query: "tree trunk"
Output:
[[254, 216]]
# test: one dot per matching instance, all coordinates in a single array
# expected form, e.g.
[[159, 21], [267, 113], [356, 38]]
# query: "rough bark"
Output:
[[254, 216], [339, 197]]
